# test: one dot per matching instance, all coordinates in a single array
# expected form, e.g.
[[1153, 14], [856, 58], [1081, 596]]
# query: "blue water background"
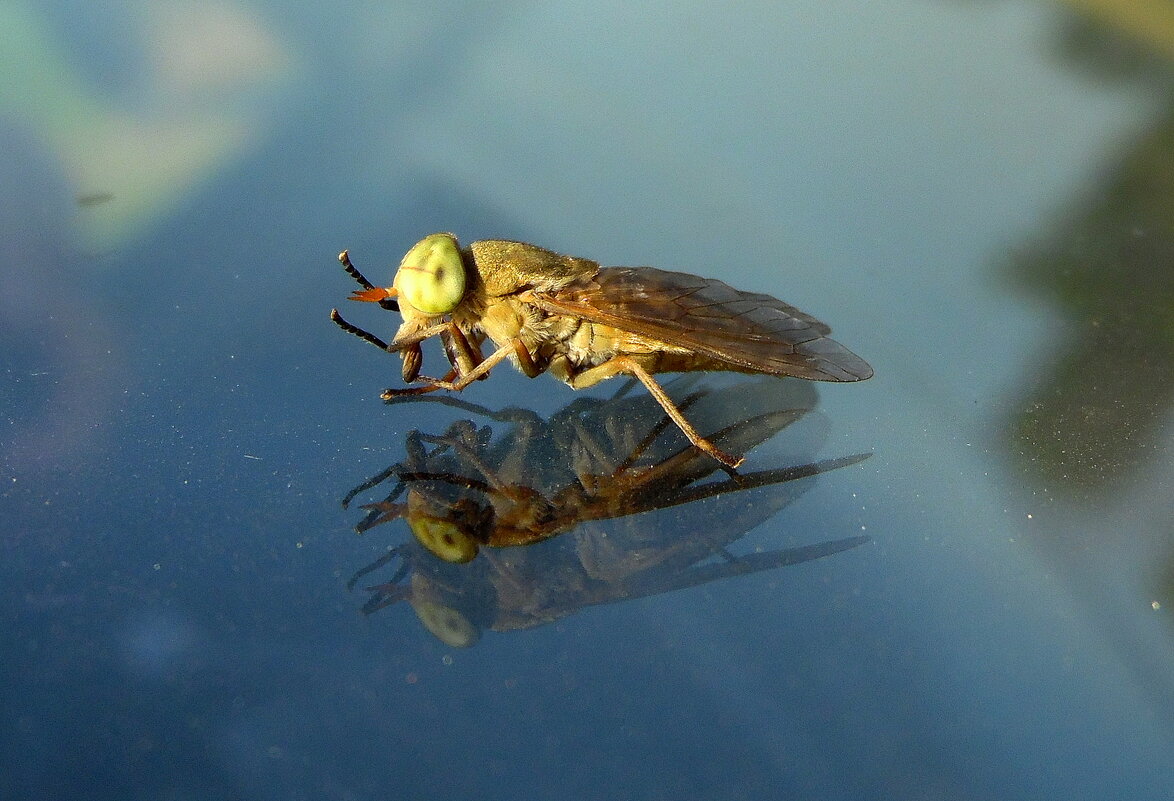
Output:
[[181, 419]]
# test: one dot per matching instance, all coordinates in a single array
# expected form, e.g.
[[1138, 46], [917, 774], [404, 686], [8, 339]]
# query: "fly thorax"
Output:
[[590, 344], [504, 319]]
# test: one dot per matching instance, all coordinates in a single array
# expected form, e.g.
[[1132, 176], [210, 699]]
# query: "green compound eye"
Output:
[[431, 277]]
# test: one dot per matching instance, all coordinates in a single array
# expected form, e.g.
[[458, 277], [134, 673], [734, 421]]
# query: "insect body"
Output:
[[584, 323]]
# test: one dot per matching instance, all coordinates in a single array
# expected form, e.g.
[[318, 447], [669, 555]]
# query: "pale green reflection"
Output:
[[130, 160]]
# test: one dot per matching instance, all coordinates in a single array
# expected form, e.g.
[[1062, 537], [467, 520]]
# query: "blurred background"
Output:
[[977, 196]]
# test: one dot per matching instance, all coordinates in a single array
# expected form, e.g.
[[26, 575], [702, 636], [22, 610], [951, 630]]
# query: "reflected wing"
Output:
[[746, 330]]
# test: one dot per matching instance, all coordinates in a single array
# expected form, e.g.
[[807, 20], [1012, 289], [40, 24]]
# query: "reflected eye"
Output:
[[446, 624], [431, 277], [443, 538]]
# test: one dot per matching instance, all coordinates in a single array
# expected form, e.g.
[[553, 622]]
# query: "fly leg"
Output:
[[462, 354], [409, 346], [391, 393], [628, 366], [655, 432], [514, 347]]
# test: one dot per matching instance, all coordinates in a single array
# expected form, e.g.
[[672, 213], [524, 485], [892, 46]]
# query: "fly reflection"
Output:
[[619, 504]]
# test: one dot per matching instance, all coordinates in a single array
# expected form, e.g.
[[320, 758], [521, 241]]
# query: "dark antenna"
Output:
[[359, 332], [344, 259]]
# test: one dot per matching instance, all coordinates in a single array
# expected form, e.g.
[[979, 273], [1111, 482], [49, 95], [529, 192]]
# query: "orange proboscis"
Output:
[[374, 294]]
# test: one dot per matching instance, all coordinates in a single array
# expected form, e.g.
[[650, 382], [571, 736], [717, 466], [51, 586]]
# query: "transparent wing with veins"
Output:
[[748, 331]]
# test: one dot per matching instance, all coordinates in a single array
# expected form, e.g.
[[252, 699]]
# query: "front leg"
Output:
[[464, 355], [460, 352], [430, 385], [480, 370]]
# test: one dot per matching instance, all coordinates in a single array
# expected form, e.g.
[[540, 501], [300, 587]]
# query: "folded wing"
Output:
[[747, 330]]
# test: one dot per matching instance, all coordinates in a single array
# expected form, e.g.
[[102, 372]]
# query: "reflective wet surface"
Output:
[[960, 585]]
